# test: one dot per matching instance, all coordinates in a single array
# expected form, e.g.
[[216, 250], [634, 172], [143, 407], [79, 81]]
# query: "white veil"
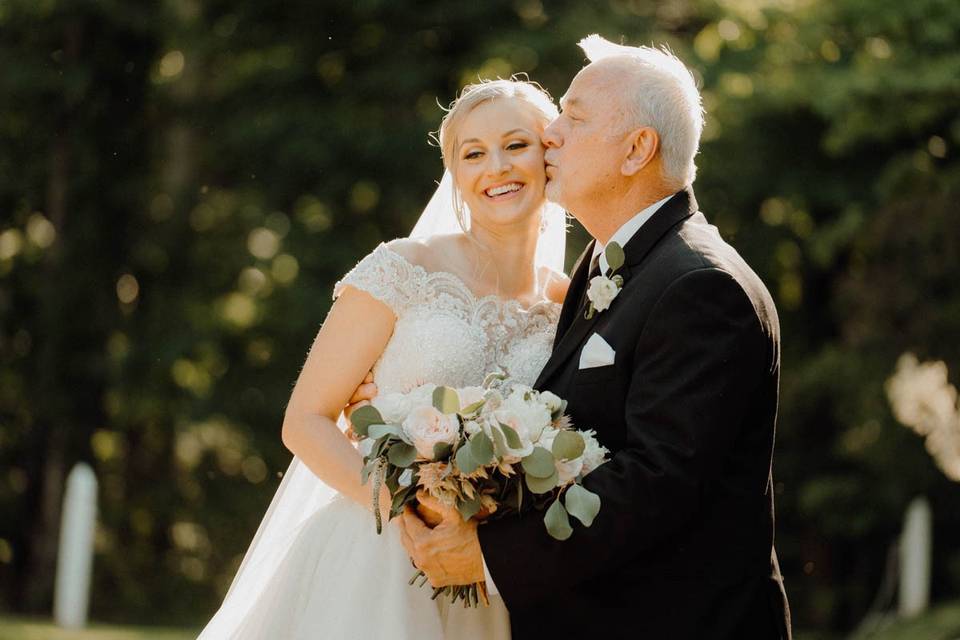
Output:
[[301, 493]]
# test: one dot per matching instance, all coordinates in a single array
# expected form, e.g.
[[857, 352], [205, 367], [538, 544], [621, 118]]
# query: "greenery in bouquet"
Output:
[[490, 451]]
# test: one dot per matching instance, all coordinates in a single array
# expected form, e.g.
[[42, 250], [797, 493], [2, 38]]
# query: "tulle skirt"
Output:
[[339, 579]]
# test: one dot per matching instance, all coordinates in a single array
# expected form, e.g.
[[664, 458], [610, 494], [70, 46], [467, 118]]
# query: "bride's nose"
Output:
[[500, 163]]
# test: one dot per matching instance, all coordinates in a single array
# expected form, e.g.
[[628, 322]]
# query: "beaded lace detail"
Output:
[[444, 333]]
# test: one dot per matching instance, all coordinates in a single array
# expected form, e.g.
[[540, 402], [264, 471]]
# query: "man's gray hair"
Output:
[[664, 96]]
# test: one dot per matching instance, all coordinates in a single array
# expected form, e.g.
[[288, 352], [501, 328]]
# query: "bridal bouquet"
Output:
[[488, 451]]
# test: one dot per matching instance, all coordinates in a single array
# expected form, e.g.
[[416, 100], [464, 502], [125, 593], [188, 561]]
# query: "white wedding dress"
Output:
[[338, 578]]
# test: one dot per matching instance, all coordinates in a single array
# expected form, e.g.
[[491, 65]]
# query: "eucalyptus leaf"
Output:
[[402, 454], [446, 400], [377, 431], [582, 504], [481, 448], [367, 469], [614, 255], [468, 507], [541, 485], [499, 443], [465, 461], [473, 408], [441, 450], [513, 438], [539, 464], [363, 417], [568, 445], [558, 524]]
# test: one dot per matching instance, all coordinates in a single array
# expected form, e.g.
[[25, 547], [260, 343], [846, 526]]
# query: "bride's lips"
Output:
[[508, 195]]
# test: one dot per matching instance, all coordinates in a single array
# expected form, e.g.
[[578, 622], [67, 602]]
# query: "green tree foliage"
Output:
[[181, 184]]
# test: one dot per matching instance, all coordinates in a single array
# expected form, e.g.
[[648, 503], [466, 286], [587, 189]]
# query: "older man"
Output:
[[678, 373]]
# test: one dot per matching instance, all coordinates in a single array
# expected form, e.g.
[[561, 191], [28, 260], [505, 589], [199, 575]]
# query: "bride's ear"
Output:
[[643, 146]]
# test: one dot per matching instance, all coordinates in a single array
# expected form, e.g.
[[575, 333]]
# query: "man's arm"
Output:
[[698, 363]]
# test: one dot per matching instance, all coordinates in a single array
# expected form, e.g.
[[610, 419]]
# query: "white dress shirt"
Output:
[[621, 236], [629, 229]]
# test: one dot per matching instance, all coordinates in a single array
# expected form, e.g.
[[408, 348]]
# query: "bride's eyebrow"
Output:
[[506, 135]]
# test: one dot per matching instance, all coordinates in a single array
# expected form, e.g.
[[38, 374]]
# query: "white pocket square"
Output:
[[596, 353]]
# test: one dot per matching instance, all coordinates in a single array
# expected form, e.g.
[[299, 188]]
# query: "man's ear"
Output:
[[644, 145]]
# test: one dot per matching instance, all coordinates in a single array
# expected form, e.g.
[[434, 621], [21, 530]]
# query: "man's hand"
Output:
[[449, 554], [361, 397]]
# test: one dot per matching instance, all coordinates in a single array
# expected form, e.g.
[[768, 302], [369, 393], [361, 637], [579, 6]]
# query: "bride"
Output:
[[476, 288]]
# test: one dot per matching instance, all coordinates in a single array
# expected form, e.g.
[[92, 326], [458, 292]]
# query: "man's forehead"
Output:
[[591, 80]]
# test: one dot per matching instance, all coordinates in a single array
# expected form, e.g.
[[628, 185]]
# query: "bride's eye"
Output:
[[473, 155], [513, 146]]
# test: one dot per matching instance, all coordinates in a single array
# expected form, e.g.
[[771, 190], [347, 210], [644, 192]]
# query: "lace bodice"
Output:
[[444, 333]]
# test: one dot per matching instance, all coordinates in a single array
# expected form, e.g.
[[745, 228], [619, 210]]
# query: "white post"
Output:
[[75, 553], [915, 556]]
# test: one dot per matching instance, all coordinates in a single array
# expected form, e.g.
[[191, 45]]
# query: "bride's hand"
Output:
[[361, 397], [429, 509]]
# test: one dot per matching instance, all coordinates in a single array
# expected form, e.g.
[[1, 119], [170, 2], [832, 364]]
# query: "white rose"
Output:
[[422, 394], [470, 395], [601, 292], [426, 427], [532, 416], [594, 454], [493, 399], [569, 470], [513, 421], [470, 427], [393, 407], [553, 401], [547, 437]]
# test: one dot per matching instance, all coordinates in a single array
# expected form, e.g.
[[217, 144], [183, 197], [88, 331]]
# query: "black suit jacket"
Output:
[[683, 545]]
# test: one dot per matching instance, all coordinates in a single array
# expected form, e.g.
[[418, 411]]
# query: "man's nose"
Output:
[[551, 136]]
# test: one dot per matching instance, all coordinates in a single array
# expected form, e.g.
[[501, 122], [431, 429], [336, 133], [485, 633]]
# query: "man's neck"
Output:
[[602, 222]]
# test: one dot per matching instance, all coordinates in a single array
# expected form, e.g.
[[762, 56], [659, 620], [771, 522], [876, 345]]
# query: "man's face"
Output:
[[583, 143]]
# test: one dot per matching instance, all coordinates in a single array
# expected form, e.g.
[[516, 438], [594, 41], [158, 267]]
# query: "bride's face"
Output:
[[499, 170]]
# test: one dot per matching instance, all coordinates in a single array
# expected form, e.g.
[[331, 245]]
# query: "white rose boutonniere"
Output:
[[603, 289]]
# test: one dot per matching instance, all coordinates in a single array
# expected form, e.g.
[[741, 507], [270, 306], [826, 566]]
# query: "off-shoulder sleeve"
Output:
[[384, 274]]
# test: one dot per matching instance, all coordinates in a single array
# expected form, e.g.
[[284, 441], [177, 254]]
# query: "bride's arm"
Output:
[[555, 284], [348, 344]]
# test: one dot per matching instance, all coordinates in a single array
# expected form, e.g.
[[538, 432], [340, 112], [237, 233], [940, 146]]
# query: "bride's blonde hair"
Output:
[[473, 95]]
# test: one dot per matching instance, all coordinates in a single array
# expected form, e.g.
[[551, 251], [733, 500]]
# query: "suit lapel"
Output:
[[578, 285], [575, 327]]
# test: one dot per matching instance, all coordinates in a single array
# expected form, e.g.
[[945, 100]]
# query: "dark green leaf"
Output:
[[513, 438], [441, 451], [465, 461], [468, 507], [377, 431], [582, 504], [481, 448], [363, 417], [558, 524], [541, 485], [614, 255], [446, 400], [402, 454], [539, 464], [568, 445]]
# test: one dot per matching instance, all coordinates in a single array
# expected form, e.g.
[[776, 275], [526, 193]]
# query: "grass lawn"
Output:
[[27, 629], [941, 622]]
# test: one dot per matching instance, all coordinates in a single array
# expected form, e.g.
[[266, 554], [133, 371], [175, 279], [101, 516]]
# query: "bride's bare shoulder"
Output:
[[431, 253], [409, 249], [555, 285]]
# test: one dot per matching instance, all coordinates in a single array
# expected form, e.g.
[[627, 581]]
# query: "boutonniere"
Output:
[[604, 289]]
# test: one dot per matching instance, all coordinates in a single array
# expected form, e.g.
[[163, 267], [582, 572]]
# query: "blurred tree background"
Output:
[[182, 182]]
